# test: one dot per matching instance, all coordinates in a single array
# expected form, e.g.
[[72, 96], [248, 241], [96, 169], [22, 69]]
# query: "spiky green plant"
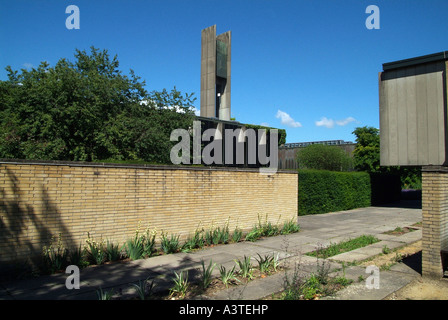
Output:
[[227, 275], [246, 268], [181, 284], [206, 275]]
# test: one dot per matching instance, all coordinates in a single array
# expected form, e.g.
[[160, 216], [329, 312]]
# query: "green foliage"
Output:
[[143, 288], [324, 157], [290, 227], [141, 245], [113, 252], [76, 257], [55, 256], [206, 275], [181, 284], [367, 158], [195, 242], [88, 110], [316, 285], [245, 266], [367, 150], [323, 191], [96, 252], [267, 229], [344, 246], [104, 295], [281, 132], [171, 244], [237, 235], [267, 263], [227, 275]]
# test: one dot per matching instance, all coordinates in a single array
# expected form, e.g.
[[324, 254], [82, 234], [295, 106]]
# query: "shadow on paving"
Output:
[[414, 262], [116, 277], [405, 204]]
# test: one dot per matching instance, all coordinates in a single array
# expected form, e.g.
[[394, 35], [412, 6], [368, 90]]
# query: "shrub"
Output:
[[324, 157], [322, 191]]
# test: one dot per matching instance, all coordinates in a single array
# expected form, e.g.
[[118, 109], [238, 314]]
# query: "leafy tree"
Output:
[[88, 110], [367, 150], [367, 158], [324, 157]]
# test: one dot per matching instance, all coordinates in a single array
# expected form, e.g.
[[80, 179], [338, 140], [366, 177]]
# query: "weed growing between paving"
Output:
[[311, 287], [345, 246]]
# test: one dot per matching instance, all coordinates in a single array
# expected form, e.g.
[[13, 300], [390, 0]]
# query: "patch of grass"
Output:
[[386, 250], [313, 287], [345, 246], [399, 231]]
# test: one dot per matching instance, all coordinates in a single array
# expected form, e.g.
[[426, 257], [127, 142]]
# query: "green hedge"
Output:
[[323, 191]]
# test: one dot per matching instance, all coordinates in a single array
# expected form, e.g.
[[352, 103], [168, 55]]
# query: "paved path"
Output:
[[316, 230]]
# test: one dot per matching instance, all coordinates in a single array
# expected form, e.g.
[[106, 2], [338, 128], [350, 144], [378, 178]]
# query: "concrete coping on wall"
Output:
[[441, 169], [134, 166]]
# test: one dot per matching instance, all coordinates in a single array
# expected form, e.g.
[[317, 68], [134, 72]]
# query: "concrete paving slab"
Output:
[[351, 256], [389, 282], [411, 236]]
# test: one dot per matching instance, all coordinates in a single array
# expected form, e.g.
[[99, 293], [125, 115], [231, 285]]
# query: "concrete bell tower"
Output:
[[215, 74]]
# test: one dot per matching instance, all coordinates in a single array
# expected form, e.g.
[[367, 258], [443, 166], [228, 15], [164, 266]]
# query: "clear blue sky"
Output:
[[308, 66]]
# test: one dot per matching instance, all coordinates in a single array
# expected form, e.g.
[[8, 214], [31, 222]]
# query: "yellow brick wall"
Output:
[[40, 200], [435, 220]]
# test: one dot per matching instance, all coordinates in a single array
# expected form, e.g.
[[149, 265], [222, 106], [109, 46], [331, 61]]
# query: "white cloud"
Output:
[[197, 112], [329, 123], [345, 121], [287, 120], [325, 122]]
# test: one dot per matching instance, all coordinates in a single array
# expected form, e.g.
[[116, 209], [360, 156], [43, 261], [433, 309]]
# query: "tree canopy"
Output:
[[88, 110], [367, 158], [367, 150]]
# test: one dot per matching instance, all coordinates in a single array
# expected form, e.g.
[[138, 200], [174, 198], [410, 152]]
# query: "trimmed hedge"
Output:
[[322, 191]]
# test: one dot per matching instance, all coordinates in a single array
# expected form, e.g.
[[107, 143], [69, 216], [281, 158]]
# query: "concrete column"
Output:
[[208, 71], [209, 78], [224, 112], [435, 219]]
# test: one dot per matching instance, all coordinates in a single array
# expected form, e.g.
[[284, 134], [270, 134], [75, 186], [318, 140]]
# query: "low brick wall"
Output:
[[43, 199]]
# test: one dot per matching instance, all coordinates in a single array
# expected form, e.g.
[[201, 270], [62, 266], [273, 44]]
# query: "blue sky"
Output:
[[308, 66]]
